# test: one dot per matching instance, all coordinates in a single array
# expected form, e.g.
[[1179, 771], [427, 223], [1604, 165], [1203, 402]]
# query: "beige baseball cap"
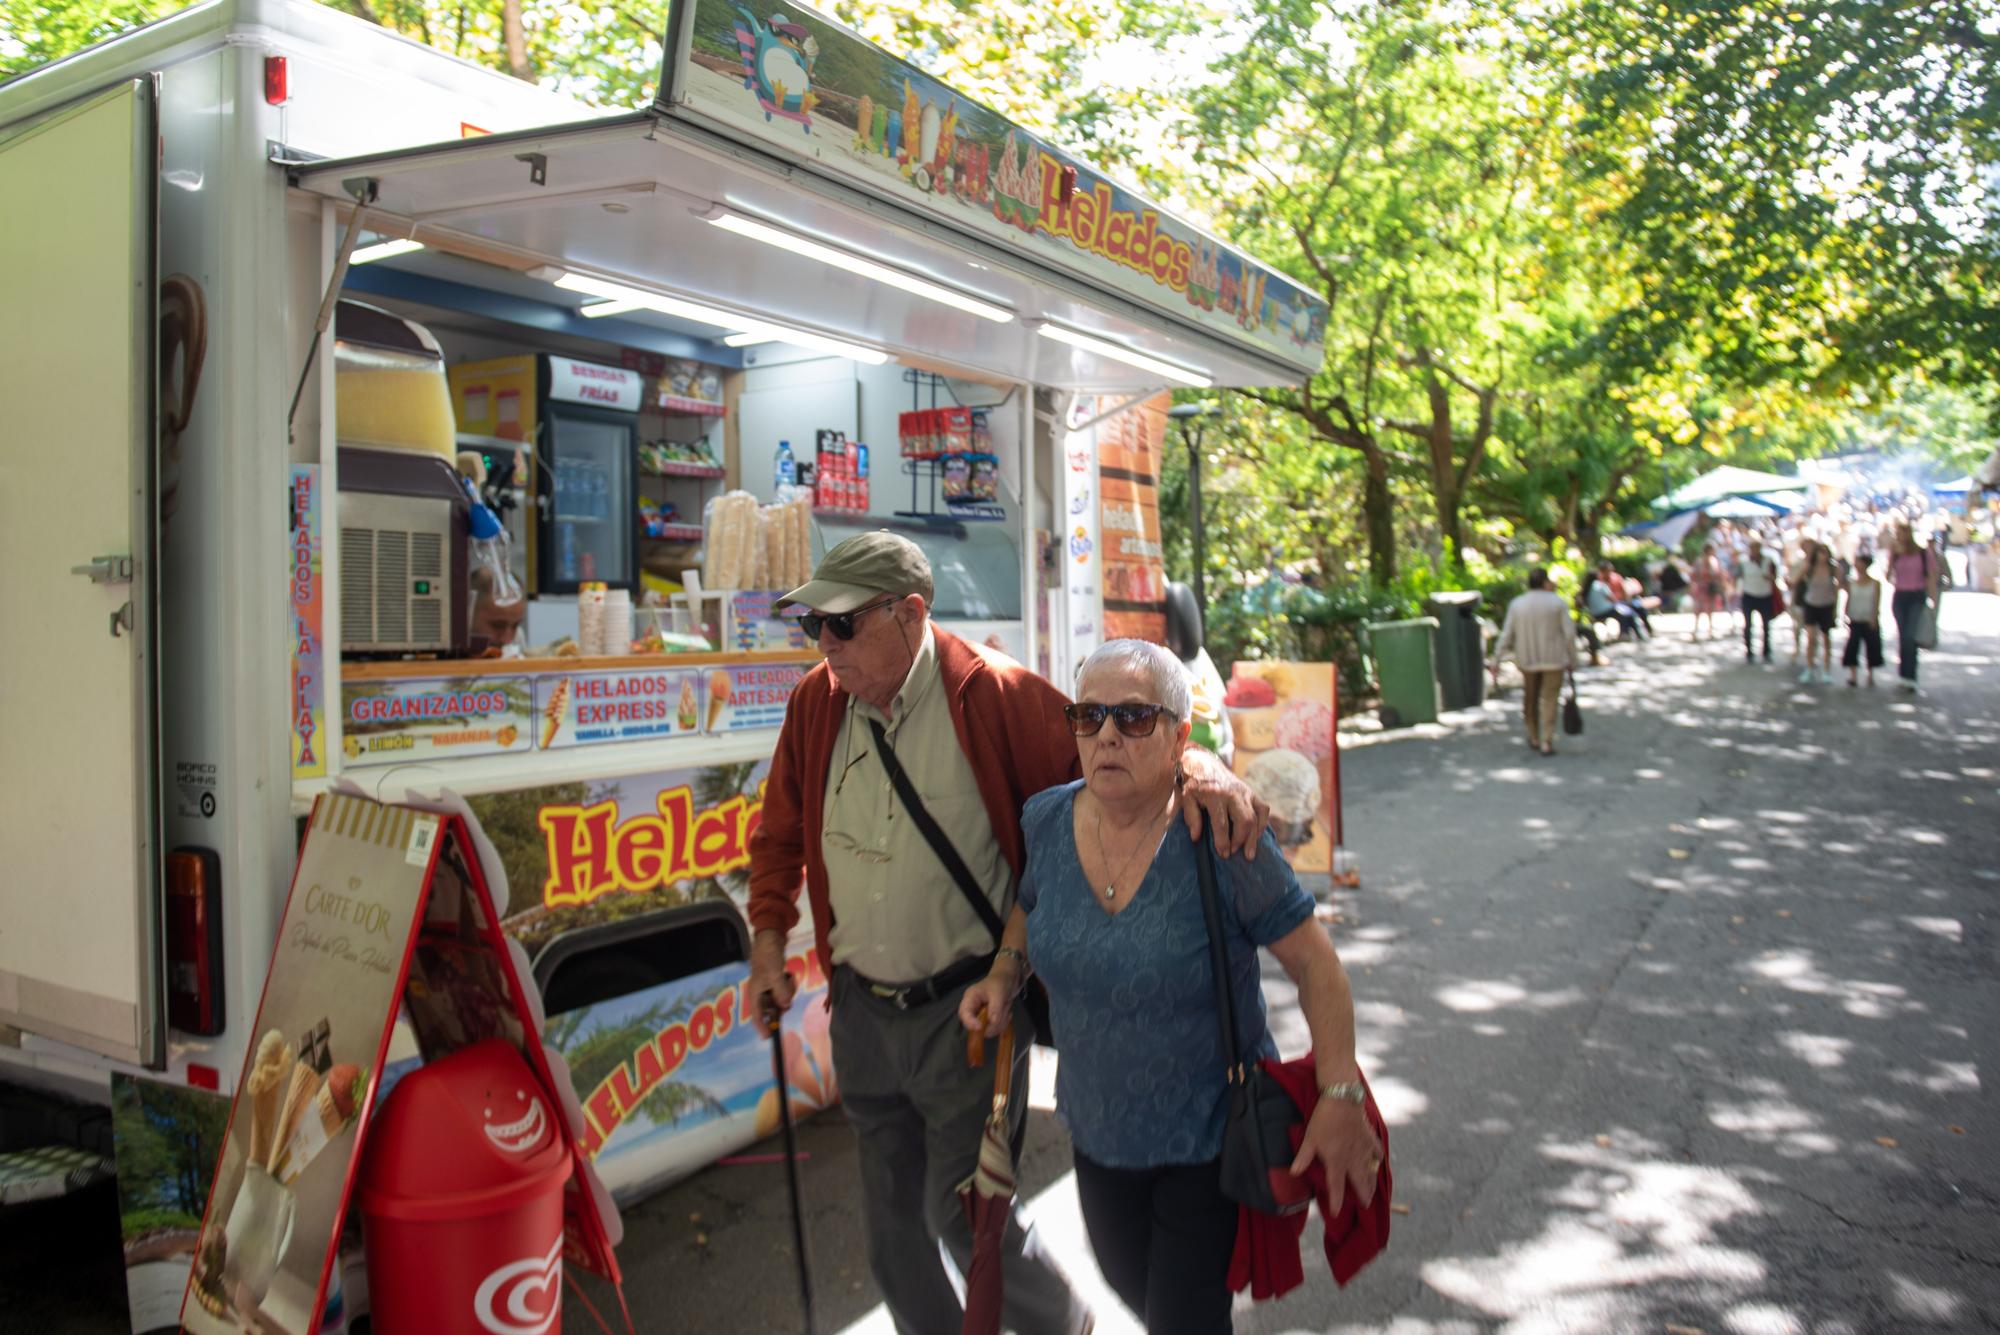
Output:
[[860, 570]]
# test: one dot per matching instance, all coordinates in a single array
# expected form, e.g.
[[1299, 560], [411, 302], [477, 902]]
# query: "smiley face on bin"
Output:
[[516, 1122]]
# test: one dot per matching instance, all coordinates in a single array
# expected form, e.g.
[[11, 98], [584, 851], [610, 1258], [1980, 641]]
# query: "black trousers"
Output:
[[1907, 604], [1162, 1237], [1755, 605], [1862, 636]]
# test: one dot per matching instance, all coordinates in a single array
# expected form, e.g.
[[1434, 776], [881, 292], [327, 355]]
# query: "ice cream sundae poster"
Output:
[[788, 76], [281, 1185], [1283, 720], [591, 707]]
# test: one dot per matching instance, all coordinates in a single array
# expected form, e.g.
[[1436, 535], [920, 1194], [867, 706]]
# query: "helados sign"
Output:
[[591, 853]]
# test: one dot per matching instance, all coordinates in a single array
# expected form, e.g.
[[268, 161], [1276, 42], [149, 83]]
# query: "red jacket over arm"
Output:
[[1009, 724]]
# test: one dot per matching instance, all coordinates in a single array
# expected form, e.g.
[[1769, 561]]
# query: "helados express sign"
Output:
[[813, 89]]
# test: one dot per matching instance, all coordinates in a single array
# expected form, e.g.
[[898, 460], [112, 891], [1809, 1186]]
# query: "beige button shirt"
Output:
[[899, 918]]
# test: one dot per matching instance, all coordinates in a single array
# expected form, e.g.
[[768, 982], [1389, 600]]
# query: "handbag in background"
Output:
[[1926, 627], [1572, 712], [1256, 1131]]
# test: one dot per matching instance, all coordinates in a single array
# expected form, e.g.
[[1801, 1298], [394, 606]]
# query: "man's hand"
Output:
[[1337, 1135], [1209, 790], [989, 1003], [769, 977]]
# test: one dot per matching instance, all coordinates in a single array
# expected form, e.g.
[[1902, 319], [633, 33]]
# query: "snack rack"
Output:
[[929, 459]]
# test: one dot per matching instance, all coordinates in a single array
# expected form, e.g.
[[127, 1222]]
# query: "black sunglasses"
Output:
[[1132, 720], [840, 623]]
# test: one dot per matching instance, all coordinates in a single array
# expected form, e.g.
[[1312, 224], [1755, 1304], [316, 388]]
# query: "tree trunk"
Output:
[[1590, 537], [516, 38], [1378, 512]]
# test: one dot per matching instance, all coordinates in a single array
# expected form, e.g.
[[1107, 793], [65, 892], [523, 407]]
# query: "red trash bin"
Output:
[[462, 1200]]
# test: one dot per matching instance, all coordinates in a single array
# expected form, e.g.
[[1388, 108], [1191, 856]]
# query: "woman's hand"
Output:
[[1337, 1135], [989, 1003]]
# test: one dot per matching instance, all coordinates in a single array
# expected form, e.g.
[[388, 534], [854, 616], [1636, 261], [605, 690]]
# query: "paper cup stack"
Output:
[[590, 606], [615, 627]]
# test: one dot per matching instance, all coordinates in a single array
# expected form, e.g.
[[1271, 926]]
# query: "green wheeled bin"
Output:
[[1461, 658], [1405, 667]]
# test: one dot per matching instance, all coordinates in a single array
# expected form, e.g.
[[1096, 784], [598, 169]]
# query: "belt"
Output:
[[926, 990]]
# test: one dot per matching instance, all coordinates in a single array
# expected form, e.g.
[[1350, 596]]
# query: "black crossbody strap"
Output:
[[940, 842], [1211, 909]]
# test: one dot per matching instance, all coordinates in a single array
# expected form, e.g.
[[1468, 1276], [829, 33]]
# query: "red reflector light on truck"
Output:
[[194, 941], [277, 81]]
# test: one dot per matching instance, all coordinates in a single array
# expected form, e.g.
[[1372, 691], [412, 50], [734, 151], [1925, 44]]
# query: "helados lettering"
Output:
[[592, 854], [1092, 224], [619, 1094]]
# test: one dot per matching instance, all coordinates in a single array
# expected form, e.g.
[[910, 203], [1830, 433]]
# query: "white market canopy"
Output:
[[1722, 483]]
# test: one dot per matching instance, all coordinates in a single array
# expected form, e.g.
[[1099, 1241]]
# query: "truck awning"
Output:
[[674, 209]]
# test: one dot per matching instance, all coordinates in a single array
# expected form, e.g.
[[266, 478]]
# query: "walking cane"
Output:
[[773, 1021]]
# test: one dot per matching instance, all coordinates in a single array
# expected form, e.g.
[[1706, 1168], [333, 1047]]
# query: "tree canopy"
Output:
[[1573, 252]]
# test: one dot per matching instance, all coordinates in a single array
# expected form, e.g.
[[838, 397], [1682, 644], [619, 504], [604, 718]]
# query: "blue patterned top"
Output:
[[1140, 1082]]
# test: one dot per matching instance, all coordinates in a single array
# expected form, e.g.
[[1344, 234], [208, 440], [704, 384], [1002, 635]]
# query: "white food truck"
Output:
[[297, 313]]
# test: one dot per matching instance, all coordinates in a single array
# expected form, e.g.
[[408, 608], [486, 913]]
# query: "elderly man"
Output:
[[974, 735], [1541, 639]]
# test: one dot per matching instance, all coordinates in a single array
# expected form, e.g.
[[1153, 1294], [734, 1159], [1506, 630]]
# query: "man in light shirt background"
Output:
[[1541, 639]]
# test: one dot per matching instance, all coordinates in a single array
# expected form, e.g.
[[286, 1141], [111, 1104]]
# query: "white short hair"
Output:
[[1158, 662]]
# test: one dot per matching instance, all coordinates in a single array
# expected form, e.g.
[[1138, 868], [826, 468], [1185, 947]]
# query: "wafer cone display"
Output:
[[298, 1098], [269, 1075]]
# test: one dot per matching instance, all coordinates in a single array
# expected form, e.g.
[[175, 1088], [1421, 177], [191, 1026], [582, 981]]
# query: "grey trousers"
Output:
[[919, 1112]]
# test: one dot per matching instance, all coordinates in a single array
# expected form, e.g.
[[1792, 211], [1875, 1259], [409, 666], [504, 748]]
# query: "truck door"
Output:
[[79, 853]]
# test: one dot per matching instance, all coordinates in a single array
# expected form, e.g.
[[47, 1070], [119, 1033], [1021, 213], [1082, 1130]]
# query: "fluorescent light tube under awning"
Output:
[[1118, 352], [635, 298], [857, 264], [383, 250]]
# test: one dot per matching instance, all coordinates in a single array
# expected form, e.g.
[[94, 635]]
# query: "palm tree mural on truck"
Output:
[[594, 1052]]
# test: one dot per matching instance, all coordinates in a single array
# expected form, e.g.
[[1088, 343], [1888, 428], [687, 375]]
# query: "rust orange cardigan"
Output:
[[1009, 724]]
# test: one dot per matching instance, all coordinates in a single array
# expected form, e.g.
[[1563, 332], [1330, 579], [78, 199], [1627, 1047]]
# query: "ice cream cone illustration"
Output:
[[553, 714], [324, 1115], [269, 1075], [688, 715], [298, 1098], [719, 689]]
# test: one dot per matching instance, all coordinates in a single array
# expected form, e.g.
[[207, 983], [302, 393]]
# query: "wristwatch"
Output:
[[1353, 1091], [1019, 957]]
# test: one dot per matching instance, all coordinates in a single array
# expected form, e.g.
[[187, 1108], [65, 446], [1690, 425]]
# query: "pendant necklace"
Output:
[[1111, 885]]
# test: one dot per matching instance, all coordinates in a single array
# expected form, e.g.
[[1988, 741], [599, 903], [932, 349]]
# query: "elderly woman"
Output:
[[1109, 912]]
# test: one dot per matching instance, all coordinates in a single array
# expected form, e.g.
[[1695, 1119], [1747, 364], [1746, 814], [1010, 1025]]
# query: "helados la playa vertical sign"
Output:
[[811, 88]]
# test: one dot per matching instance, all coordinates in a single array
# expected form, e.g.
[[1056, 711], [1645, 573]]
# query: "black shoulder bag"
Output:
[[1257, 1130], [1034, 997]]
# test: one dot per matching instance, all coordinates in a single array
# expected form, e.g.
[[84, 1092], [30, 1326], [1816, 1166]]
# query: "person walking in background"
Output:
[[1864, 619], [1817, 588], [1757, 581], [1913, 575], [1538, 635], [1711, 586]]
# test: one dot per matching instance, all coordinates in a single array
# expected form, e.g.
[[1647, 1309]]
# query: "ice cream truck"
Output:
[[379, 422]]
